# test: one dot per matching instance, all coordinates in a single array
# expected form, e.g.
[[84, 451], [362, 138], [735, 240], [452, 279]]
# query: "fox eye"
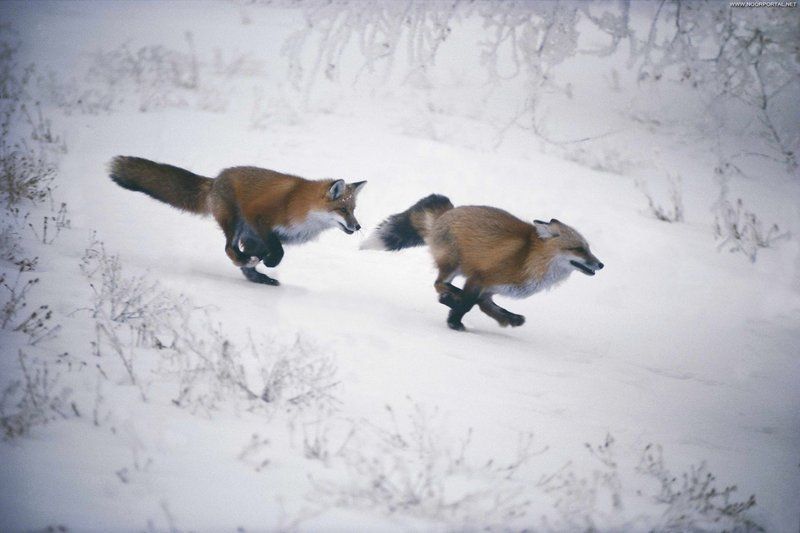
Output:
[[342, 210], [579, 249]]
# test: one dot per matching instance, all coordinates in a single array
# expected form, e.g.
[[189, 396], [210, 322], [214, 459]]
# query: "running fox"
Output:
[[496, 252], [259, 210]]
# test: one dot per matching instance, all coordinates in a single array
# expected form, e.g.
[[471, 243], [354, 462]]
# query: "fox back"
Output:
[[296, 208]]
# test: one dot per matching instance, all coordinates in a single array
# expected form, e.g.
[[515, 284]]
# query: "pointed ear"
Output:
[[357, 186], [336, 190], [544, 230]]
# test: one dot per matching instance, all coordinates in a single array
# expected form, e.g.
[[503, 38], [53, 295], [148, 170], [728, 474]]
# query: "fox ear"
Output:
[[357, 186], [544, 229], [336, 190]]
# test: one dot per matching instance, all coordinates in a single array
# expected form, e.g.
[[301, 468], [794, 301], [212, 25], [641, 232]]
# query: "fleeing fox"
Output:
[[259, 210], [495, 251]]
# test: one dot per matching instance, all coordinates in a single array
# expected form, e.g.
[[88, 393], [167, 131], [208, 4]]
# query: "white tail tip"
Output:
[[373, 242]]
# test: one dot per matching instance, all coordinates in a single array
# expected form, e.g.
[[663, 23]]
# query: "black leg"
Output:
[[251, 247], [237, 256], [257, 277], [250, 244], [273, 251], [451, 296], [467, 299], [268, 250]]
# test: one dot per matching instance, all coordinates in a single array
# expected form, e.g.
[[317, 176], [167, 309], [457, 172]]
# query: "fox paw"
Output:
[[257, 277], [509, 319], [515, 320], [266, 280], [456, 326]]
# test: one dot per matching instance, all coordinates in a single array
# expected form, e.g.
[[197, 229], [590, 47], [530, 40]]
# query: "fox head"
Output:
[[341, 203], [572, 247]]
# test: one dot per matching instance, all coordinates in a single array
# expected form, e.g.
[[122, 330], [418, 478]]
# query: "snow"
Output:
[[673, 343]]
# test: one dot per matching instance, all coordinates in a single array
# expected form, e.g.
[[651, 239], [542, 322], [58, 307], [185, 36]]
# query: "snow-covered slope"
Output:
[[674, 344]]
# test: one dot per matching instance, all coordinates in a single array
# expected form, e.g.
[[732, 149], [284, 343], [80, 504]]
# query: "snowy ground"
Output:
[[674, 344]]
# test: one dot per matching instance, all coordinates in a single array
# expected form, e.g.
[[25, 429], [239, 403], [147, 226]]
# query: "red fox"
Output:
[[258, 210], [495, 251]]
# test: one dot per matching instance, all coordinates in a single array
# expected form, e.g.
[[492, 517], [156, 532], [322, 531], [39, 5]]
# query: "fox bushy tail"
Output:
[[409, 228], [172, 185]]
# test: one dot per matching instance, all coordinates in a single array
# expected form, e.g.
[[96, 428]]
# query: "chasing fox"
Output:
[[495, 251], [259, 210]]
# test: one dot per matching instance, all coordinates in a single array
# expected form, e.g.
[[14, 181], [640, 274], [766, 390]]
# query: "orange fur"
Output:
[[266, 198]]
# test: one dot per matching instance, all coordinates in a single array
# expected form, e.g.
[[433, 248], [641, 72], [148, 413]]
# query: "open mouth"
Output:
[[346, 229], [583, 268]]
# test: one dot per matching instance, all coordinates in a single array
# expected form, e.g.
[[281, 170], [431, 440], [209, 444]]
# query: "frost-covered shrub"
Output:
[[29, 155], [71, 95], [14, 296], [580, 500], [129, 311], [36, 398], [133, 314], [155, 77], [596, 500], [124, 299], [603, 160], [674, 211], [159, 75], [413, 469], [280, 109], [740, 230], [38, 324], [744, 60], [691, 501], [28, 159], [268, 376], [29, 150], [10, 247]]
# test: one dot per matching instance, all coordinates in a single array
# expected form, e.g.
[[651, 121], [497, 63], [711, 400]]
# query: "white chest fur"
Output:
[[315, 223], [558, 271]]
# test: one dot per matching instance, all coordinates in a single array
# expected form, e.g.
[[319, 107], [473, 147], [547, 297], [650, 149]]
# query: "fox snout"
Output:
[[349, 224], [588, 265], [350, 229]]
